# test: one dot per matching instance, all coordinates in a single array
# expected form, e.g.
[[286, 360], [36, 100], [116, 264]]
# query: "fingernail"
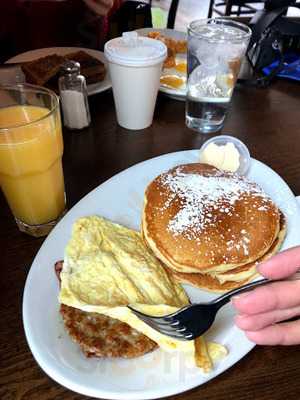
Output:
[[235, 300], [239, 296]]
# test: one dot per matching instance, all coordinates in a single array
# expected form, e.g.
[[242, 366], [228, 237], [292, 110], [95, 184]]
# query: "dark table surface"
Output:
[[268, 121]]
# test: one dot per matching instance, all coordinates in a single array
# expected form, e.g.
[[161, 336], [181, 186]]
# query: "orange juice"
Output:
[[31, 174]]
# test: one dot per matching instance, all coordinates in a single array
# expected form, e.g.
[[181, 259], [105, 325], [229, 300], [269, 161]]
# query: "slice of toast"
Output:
[[44, 71], [90, 67], [41, 70]]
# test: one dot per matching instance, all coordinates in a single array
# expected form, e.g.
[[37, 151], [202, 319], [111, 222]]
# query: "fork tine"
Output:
[[167, 332], [165, 319], [181, 330], [163, 322], [186, 335], [175, 324], [189, 336], [164, 329], [178, 327], [172, 330], [160, 328], [158, 321], [173, 335]]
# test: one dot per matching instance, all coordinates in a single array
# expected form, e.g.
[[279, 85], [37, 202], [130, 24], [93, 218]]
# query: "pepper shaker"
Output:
[[73, 94]]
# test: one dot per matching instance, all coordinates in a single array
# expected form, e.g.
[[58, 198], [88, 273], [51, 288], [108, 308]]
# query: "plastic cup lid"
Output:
[[134, 50]]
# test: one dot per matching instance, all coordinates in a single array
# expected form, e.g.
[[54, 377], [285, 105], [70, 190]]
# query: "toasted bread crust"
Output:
[[92, 68], [45, 70]]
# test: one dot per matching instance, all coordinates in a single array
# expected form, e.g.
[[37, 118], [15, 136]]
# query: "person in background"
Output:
[[32, 24], [260, 310], [100, 7]]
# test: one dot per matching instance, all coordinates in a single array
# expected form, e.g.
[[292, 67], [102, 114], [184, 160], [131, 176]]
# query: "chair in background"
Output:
[[172, 14], [225, 7]]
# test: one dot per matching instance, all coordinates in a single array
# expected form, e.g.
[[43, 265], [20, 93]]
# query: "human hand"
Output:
[[100, 7], [260, 309]]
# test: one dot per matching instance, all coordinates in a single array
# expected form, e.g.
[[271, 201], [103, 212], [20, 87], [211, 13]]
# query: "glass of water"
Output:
[[216, 48]]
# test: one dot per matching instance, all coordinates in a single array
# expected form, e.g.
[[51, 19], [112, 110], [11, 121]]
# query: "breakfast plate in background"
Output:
[[173, 79], [92, 88], [156, 374]]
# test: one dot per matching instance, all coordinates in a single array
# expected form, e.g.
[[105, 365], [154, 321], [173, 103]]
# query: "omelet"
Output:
[[107, 267]]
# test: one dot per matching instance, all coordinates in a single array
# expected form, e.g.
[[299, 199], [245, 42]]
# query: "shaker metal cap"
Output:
[[70, 67]]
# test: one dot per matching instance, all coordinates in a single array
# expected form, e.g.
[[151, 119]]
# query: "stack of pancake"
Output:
[[209, 227]]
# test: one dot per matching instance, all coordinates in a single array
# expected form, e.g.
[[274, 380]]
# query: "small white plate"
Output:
[[93, 88], [157, 374], [178, 94]]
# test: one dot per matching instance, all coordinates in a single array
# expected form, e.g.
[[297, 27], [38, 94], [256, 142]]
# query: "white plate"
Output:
[[34, 54], [178, 94], [156, 374]]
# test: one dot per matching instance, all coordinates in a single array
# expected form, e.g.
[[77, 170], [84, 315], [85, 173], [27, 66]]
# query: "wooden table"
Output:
[[267, 120]]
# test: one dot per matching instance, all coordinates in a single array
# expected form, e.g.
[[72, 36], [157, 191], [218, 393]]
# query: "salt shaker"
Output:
[[73, 94]]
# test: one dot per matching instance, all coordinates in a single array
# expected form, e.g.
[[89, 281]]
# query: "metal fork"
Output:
[[193, 320]]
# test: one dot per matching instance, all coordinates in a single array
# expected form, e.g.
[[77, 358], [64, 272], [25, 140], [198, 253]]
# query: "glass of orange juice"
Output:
[[31, 148]]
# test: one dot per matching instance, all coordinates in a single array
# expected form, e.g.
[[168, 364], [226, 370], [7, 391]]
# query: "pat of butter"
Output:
[[225, 157]]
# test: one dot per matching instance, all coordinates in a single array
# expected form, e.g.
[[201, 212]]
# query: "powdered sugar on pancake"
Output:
[[199, 195]]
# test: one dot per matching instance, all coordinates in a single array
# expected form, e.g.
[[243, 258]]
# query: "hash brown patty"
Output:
[[102, 336]]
